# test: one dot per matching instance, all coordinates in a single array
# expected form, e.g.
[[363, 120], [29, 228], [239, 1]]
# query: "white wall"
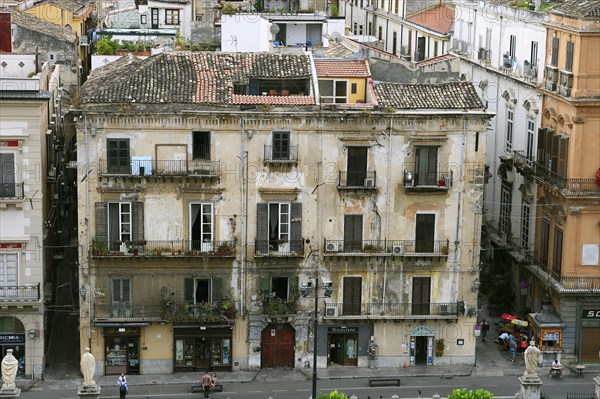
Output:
[[244, 33]]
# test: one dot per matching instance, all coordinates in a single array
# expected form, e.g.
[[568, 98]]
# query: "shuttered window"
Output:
[[569, 59], [7, 175], [281, 146], [352, 295], [118, 156], [202, 226], [558, 251], [202, 290], [119, 221], [544, 240], [353, 226], [121, 291], [426, 166], [421, 294], [554, 56], [278, 223], [563, 149], [201, 145], [425, 232]]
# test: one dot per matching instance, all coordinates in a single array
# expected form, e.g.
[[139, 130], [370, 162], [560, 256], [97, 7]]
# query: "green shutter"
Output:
[[217, 289], [102, 223], [265, 285], [293, 286], [262, 228], [138, 221], [296, 228], [188, 291]]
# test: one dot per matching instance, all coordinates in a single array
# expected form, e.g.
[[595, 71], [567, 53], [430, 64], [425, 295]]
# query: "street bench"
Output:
[[198, 388], [384, 380]]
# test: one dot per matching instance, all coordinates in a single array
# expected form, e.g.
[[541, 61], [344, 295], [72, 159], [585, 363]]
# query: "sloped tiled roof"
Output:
[[192, 78], [438, 18], [453, 95], [69, 5], [30, 22], [342, 68], [579, 8], [435, 60]]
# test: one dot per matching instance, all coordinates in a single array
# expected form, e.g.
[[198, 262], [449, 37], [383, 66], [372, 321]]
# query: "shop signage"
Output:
[[591, 314], [422, 331], [12, 338], [9, 143], [121, 331], [342, 329], [9, 245]]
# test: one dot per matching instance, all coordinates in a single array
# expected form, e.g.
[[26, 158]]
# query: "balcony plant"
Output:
[[506, 62], [439, 347], [526, 68], [225, 249], [445, 250]]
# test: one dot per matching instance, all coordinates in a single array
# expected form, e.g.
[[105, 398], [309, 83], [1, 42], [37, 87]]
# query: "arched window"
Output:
[[10, 324]]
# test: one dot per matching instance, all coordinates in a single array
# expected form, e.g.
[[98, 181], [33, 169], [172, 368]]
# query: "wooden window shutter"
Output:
[[262, 227], [554, 153], [292, 286], [217, 289], [138, 220], [296, 243], [541, 145], [102, 222], [188, 290], [563, 150], [265, 285]]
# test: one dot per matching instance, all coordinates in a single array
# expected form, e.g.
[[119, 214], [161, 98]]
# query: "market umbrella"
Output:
[[508, 317]]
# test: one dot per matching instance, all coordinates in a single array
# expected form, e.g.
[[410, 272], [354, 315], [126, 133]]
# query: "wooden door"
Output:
[[424, 234], [352, 295], [277, 346], [421, 295]]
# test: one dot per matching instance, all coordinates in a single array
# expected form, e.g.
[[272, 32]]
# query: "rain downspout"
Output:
[[387, 200], [243, 219], [458, 209], [87, 221]]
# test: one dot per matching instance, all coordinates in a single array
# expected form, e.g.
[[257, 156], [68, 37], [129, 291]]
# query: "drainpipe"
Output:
[[87, 221], [243, 218], [387, 202], [458, 208]]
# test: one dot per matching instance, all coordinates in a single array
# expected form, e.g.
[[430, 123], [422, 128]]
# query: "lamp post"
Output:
[[307, 287]]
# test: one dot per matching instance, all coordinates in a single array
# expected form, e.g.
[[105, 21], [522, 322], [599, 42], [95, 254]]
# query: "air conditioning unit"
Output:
[[332, 247], [331, 310], [369, 182], [398, 250]]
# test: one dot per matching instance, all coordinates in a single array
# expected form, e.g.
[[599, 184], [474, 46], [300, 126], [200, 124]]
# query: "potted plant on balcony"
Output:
[[439, 347], [526, 68], [445, 250], [506, 61]]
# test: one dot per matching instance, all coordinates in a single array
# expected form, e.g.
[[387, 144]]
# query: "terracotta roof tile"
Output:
[[439, 18], [342, 68], [197, 78], [453, 95], [579, 8]]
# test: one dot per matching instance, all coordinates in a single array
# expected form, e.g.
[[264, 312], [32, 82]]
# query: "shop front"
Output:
[[16, 342], [421, 346], [346, 344], [590, 334], [122, 350], [198, 348]]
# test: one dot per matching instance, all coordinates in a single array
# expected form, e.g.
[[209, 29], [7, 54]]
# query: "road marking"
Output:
[[280, 390]]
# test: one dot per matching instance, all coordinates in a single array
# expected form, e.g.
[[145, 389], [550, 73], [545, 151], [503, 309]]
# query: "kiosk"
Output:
[[547, 329]]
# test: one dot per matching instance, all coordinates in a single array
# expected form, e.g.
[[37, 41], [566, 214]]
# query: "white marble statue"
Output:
[[88, 368], [532, 356], [10, 365]]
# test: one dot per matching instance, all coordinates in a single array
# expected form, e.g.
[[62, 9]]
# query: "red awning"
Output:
[[508, 317]]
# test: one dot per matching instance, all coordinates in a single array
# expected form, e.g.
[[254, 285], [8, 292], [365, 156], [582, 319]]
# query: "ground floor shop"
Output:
[[22, 335], [346, 343], [122, 351], [199, 348]]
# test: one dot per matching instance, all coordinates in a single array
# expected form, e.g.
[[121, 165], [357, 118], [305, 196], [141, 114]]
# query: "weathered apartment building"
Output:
[[216, 187], [27, 130]]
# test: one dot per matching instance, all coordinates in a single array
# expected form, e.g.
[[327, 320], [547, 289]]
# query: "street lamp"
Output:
[[328, 291]]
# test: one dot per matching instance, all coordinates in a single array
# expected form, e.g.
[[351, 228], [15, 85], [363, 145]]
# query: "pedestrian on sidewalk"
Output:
[[123, 388], [205, 382], [484, 330]]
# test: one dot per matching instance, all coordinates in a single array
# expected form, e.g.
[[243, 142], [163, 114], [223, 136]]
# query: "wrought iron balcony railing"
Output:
[[581, 186], [522, 162], [20, 293], [357, 180], [281, 155], [391, 310], [11, 191], [158, 248], [281, 248], [206, 312], [160, 168], [407, 248], [427, 181], [127, 312]]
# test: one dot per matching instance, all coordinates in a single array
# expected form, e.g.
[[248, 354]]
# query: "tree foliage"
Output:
[[470, 394]]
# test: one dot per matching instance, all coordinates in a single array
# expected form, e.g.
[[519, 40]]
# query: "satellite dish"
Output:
[[336, 36], [274, 29]]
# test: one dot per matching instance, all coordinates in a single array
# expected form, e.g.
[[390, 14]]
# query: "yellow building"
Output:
[[70, 14], [566, 275]]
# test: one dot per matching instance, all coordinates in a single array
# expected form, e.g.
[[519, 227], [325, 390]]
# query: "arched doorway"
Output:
[[277, 346], [12, 336]]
